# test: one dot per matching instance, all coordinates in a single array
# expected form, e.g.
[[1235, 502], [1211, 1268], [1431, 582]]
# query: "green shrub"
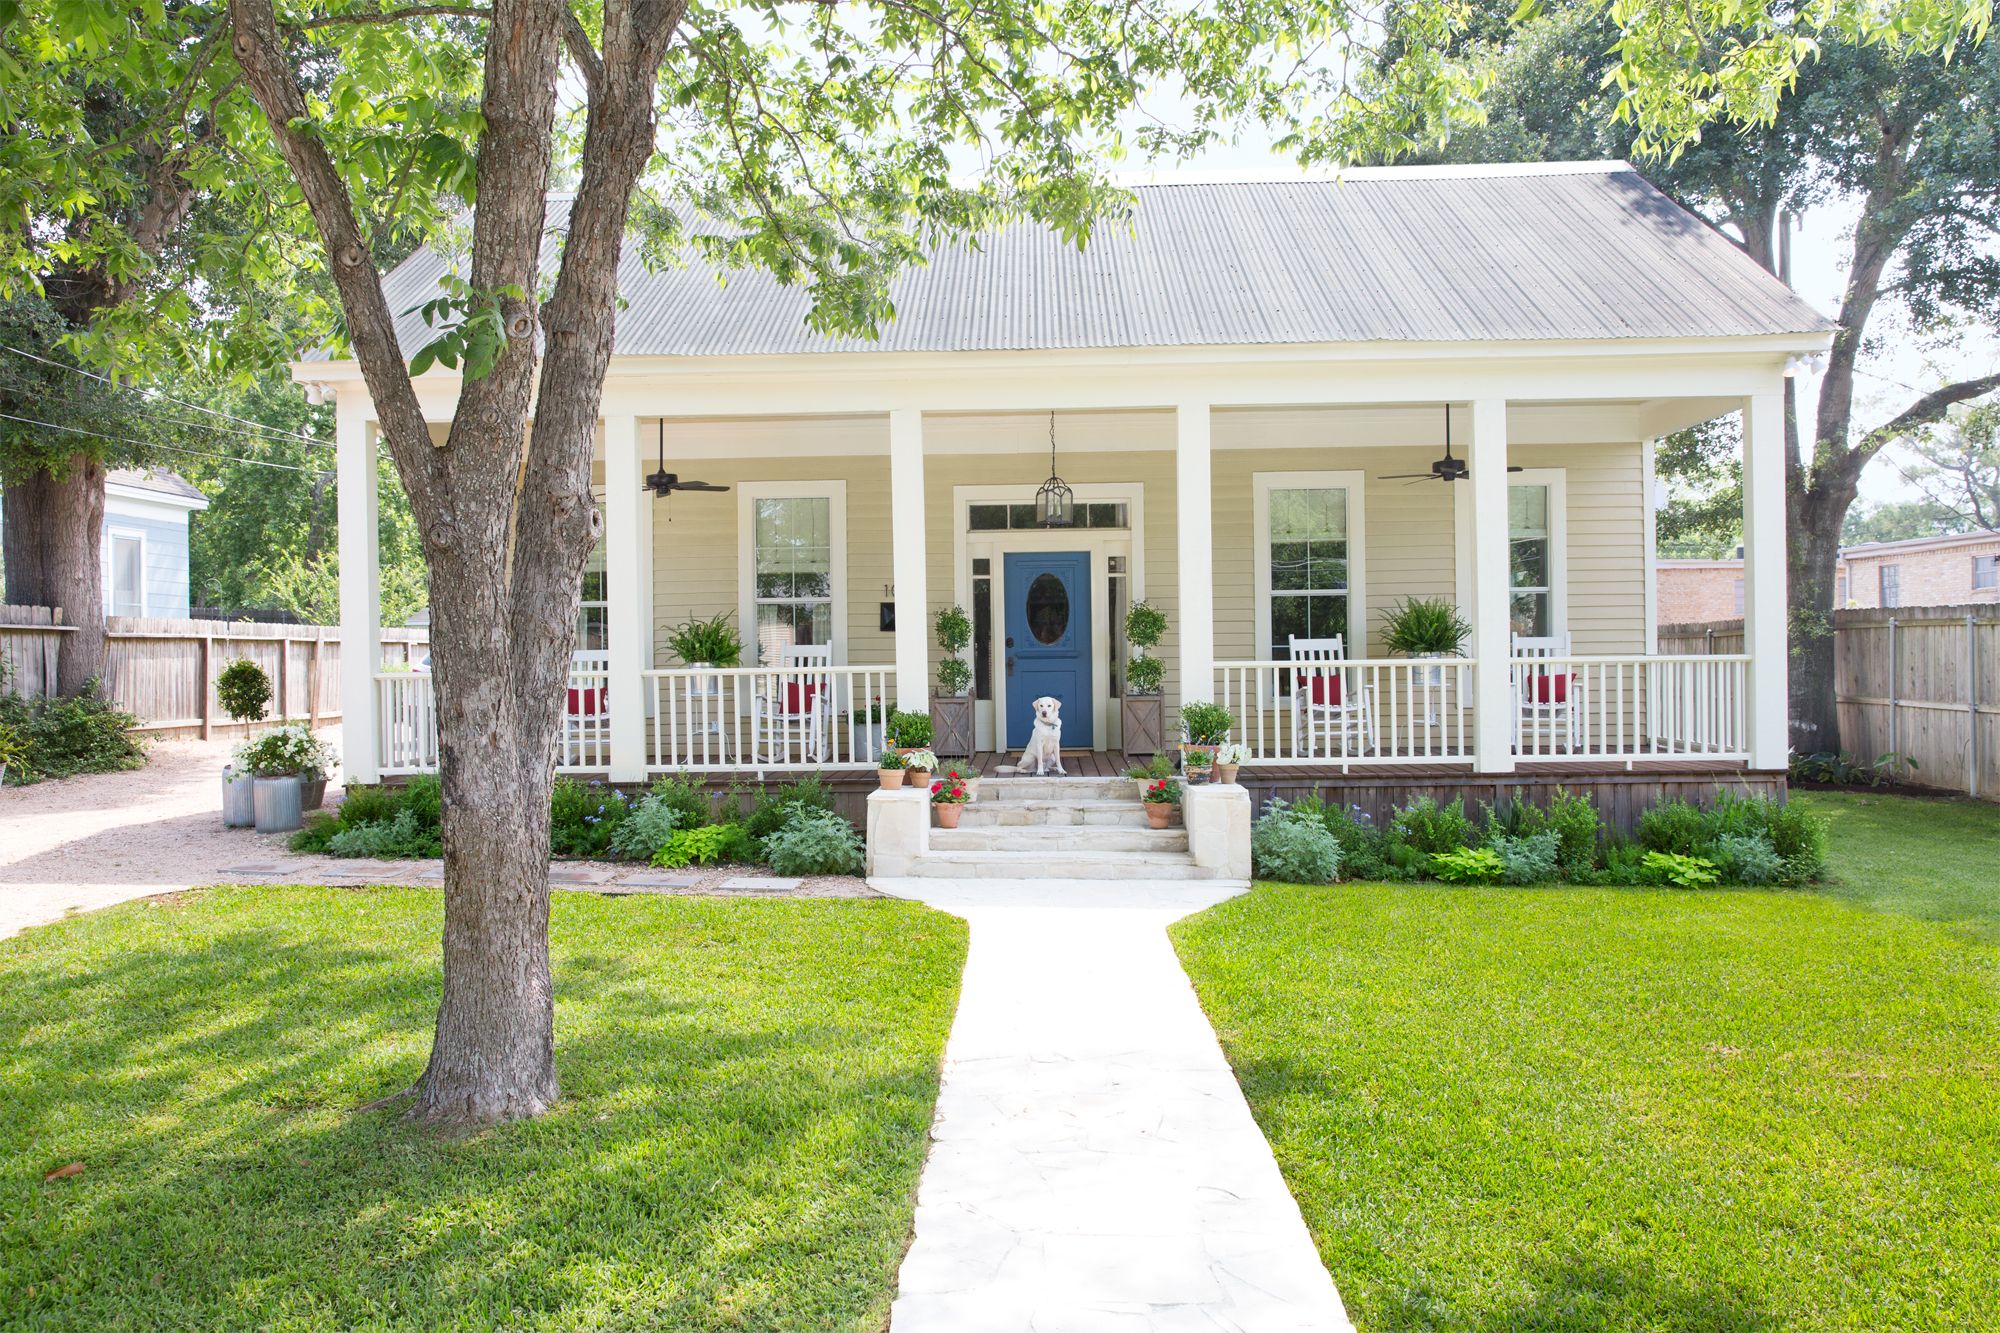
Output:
[[319, 829], [1573, 819], [368, 805], [1674, 827], [1799, 838], [1683, 872], [583, 816], [1160, 766], [403, 836], [645, 828], [1624, 864], [1363, 848], [1293, 846], [61, 738], [423, 798], [243, 690], [1145, 624], [1514, 817], [689, 796], [773, 809], [813, 841], [711, 844], [1529, 858], [1468, 865], [1431, 828], [1144, 675], [1746, 858]]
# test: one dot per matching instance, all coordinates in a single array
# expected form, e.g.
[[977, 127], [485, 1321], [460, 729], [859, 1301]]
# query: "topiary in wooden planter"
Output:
[[1144, 725], [951, 725]]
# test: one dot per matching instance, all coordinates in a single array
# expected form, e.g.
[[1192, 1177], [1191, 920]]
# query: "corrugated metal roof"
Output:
[[1592, 251]]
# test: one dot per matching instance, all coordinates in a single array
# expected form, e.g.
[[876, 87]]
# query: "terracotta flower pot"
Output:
[[947, 814], [890, 778], [1159, 814], [1225, 773]]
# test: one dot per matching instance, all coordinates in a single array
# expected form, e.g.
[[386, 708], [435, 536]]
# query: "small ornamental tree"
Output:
[[244, 691], [1145, 626], [954, 632]]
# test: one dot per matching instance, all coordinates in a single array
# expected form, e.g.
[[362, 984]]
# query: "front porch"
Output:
[[1254, 526]]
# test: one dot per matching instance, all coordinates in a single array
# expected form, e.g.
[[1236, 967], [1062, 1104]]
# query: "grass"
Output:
[[1567, 1109], [747, 1094]]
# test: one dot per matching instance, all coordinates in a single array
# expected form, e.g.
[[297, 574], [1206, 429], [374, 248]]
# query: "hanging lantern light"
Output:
[[1055, 503]]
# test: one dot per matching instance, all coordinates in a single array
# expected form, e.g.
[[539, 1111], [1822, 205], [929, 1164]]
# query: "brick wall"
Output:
[[1937, 576], [1697, 591]]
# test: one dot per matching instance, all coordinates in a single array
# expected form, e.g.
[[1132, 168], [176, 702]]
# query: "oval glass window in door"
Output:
[[1048, 608]]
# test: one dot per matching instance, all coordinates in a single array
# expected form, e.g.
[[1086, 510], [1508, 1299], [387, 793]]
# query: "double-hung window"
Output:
[[1531, 563], [1309, 560], [1889, 585], [593, 612], [1985, 572], [794, 559], [126, 588]]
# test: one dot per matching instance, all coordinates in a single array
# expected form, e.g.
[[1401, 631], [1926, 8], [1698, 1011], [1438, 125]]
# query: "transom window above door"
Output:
[[1309, 559], [996, 517]]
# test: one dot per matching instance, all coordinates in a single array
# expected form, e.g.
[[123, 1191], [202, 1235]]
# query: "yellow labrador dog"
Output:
[[1044, 751]]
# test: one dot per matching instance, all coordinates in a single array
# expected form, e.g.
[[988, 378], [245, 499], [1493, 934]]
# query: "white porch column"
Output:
[[906, 510], [1196, 551], [360, 587], [1764, 605], [1492, 631], [628, 572]]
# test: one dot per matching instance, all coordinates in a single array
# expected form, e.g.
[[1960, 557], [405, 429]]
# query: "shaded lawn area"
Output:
[[1571, 1109], [747, 1094]]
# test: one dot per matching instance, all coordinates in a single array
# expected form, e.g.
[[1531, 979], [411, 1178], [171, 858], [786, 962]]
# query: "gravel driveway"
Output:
[[88, 842]]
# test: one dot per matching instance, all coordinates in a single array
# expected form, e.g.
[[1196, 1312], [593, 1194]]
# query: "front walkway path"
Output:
[[1094, 1166]]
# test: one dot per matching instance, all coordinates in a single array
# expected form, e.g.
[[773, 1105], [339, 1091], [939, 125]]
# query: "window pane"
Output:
[[982, 567], [987, 518], [1531, 614], [1528, 510], [1288, 618], [794, 533], [127, 577], [593, 629], [1308, 514], [1326, 615], [1289, 562], [1530, 561], [1326, 566], [1047, 608], [1021, 516], [982, 634]]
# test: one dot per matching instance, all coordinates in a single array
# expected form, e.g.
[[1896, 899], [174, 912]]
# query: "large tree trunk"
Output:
[[1814, 517], [54, 525]]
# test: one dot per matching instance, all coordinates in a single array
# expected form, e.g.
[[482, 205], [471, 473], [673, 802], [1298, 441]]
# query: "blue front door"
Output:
[[1048, 643]]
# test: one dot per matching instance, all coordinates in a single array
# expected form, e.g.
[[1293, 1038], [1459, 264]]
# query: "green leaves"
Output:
[[475, 328]]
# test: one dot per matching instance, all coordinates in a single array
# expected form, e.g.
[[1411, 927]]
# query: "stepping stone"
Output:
[[579, 874], [761, 884], [256, 868], [649, 881]]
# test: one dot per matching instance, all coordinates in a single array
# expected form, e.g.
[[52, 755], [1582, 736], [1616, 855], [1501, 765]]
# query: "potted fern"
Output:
[[706, 643], [951, 707], [1142, 710], [1426, 627]]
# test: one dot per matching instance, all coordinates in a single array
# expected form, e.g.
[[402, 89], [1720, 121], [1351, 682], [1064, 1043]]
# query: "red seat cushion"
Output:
[[799, 697], [1552, 689], [1324, 690], [586, 702]]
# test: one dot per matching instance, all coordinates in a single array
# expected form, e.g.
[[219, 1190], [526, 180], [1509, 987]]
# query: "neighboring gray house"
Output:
[[145, 552]]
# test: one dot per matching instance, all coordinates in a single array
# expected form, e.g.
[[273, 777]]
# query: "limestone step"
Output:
[[1058, 840], [1053, 788], [988, 812], [1069, 865]]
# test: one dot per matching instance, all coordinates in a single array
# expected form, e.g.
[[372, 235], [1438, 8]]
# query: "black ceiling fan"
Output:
[[664, 483], [1448, 468]]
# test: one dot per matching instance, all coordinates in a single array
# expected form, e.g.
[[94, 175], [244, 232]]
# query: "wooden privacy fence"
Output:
[[163, 670], [1917, 681]]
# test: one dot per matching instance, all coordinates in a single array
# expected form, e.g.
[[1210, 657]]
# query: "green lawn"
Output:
[[1580, 1109], [747, 1093]]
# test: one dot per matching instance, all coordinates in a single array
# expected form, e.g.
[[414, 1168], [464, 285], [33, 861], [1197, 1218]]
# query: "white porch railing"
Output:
[[1373, 711], [1631, 708], [767, 718], [745, 718], [1389, 712]]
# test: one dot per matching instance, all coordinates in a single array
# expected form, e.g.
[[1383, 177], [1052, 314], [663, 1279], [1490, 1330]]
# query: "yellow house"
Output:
[[1274, 409]]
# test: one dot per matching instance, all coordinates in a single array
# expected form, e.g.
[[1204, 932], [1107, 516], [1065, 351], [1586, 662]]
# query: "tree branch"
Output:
[[1926, 410], [577, 42], [390, 16]]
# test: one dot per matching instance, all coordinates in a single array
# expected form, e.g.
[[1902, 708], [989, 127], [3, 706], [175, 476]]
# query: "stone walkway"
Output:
[[1095, 1166]]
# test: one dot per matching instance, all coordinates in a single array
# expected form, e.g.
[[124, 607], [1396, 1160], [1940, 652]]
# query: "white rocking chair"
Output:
[[1548, 698], [792, 717], [1333, 714]]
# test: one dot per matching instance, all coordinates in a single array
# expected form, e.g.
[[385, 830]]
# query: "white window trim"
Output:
[[1355, 484], [747, 495], [1557, 480], [112, 536], [1992, 564]]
